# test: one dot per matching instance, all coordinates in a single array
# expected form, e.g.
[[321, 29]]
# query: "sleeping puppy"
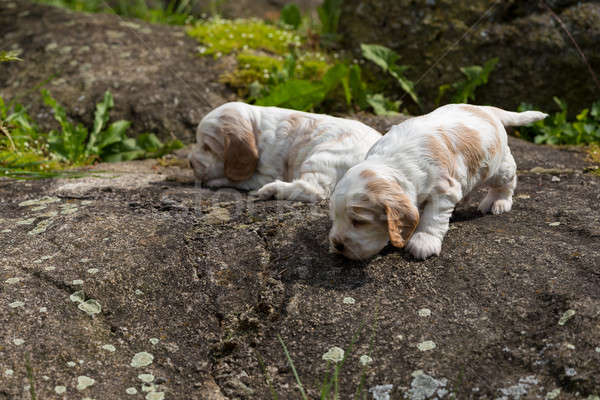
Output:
[[413, 177], [283, 153]]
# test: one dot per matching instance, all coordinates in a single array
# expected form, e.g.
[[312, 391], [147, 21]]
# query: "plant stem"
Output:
[[5, 131], [287, 355]]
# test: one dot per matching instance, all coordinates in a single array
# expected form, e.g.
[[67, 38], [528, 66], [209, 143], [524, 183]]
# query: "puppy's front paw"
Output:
[[269, 191], [422, 245], [501, 206]]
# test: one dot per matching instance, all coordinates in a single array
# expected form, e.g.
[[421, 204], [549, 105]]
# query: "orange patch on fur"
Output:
[[468, 144], [240, 149], [479, 112], [367, 173], [443, 151], [402, 215]]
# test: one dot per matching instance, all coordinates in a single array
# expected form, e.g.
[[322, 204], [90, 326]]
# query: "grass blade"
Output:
[[287, 355], [266, 375]]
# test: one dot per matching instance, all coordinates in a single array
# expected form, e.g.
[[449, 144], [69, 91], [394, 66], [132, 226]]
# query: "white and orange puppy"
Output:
[[413, 177], [283, 153]]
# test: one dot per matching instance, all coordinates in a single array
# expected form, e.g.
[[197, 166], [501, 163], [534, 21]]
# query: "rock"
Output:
[[157, 80], [219, 294], [537, 60]]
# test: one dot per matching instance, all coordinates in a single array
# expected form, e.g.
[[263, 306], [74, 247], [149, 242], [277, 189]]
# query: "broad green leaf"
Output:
[[100, 119], [380, 55], [297, 94], [383, 106], [476, 76], [149, 142], [290, 15], [386, 59], [334, 75], [115, 133]]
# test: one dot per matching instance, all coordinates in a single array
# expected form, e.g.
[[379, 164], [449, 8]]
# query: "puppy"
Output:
[[283, 153], [413, 177]]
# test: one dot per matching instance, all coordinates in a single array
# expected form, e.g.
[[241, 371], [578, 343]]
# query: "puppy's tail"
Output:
[[510, 118]]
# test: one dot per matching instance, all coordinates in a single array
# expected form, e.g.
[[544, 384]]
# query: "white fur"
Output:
[[403, 156], [297, 161]]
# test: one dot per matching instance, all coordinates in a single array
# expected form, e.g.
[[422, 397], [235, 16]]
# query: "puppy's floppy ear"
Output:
[[402, 215], [402, 220], [240, 149]]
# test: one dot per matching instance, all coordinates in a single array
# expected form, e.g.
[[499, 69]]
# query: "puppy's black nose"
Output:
[[339, 246]]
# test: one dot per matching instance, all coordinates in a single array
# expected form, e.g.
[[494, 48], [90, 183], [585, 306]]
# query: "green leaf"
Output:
[[290, 15], [329, 15], [149, 142], [476, 76], [383, 106], [334, 75], [386, 59], [595, 113], [297, 94], [115, 133], [357, 87], [380, 55], [6, 56]]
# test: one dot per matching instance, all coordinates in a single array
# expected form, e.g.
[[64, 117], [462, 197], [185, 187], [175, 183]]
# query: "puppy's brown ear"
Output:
[[402, 220], [240, 149]]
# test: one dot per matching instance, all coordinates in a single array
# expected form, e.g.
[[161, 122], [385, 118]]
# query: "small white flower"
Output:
[[348, 300], [334, 354], [365, 360]]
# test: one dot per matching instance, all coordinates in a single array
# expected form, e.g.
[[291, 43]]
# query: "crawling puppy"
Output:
[[283, 153], [413, 177]]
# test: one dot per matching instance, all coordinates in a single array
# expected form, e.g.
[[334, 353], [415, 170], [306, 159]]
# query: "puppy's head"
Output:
[[225, 147], [368, 210]]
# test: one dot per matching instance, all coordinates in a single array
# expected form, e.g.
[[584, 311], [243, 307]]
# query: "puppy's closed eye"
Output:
[[357, 223]]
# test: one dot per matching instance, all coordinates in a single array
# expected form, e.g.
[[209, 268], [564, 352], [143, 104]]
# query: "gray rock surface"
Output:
[[537, 60], [204, 282], [156, 78]]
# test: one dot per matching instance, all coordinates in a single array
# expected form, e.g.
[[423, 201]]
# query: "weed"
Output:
[[31, 378], [556, 129], [386, 59], [335, 357], [110, 143], [291, 16], [329, 15], [464, 90], [6, 56], [27, 153]]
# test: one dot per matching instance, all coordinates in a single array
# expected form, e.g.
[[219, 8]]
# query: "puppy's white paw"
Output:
[[422, 245], [270, 190], [501, 206]]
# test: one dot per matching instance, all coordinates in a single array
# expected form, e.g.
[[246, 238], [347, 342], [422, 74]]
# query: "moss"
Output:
[[594, 156], [221, 36], [251, 67], [260, 67]]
